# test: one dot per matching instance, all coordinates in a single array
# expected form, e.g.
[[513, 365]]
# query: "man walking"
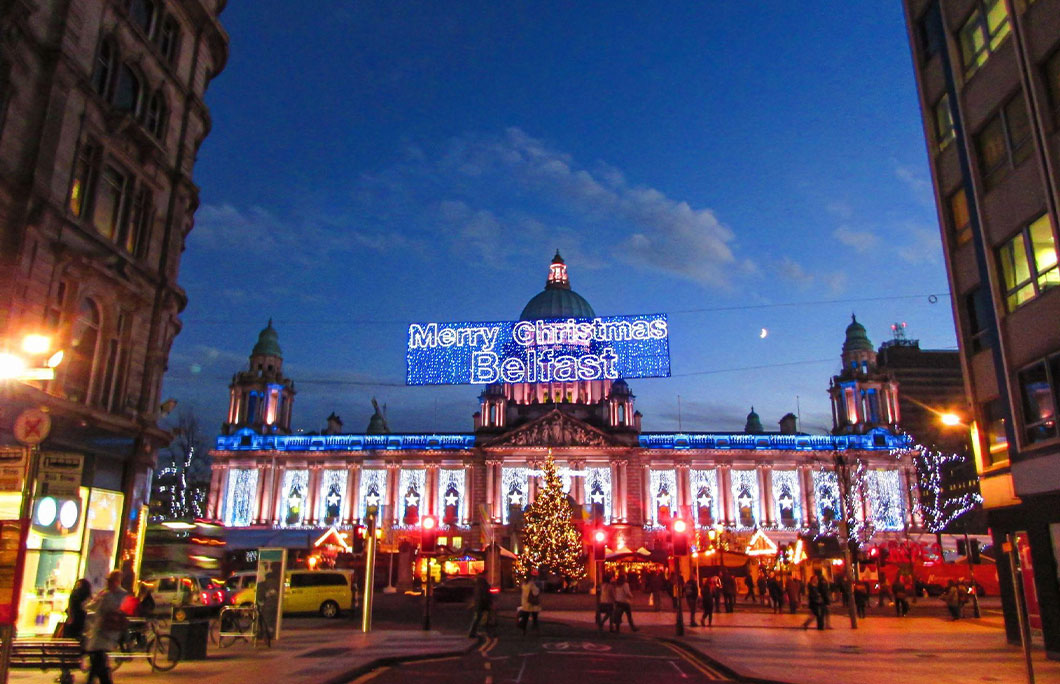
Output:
[[105, 627], [606, 609], [691, 596], [481, 606], [728, 587], [708, 595], [623, 604]]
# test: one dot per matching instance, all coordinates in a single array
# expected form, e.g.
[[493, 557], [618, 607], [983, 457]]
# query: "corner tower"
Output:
[[863, 396], [261, 398]]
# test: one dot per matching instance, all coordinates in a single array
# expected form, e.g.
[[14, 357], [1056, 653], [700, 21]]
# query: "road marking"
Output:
[[521, 670], [679, 670], [370, 675], [436, 660], [708, 671]]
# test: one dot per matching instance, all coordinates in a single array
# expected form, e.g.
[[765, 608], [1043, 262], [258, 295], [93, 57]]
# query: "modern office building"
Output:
[[988, 76], [101, 116]]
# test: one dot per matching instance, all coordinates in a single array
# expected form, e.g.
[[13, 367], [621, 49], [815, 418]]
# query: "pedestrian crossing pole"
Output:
[[369, 575]]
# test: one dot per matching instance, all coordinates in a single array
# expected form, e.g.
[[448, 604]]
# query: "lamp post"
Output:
[[843, 479]]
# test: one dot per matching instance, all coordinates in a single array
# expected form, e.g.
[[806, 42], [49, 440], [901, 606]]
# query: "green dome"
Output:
[[857, 338], [557, 300], [754, 423], [268, 343]]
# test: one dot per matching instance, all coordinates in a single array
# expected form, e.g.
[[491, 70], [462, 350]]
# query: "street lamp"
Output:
[[30, 364]]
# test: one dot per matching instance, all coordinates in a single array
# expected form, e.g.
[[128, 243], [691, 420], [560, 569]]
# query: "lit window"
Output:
[[81, 185], [983, 33], [943, 123], [110, 201], [83, 343], [1038, 393], [1004, 142], [960, 218], [1029, 263], [138, 227], [996, 440]]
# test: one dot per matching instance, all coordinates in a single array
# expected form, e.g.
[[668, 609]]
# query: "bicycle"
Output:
[[142, 639], [244, 623]]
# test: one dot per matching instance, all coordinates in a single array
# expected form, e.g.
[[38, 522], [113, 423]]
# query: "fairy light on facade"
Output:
[[452, 492], [746, 495], [515, 490], [598, 489], [242, 486], [372, 492], [331, 495], [295, 488], [936, 507], [704, 490], [826, 496], [787, 499], [885, 499], [662, 486], [412, 486]]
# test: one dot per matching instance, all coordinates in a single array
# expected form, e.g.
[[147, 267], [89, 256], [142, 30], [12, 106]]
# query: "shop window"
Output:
[[960, 217], [1029, 263], [983, 33], [996, 440], [110, 201], [1004, 142], [83, 345], [1038, 392], [943, 123]]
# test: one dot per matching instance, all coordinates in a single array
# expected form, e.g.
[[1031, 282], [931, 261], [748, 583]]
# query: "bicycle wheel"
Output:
[[164, 653]]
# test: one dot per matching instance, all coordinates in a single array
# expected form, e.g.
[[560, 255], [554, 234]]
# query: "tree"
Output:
[[182, 480], [551, 542], [937, 506]]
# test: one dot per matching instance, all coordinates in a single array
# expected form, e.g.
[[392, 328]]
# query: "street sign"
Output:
[[59, 474], [32, 427], [12, 469]]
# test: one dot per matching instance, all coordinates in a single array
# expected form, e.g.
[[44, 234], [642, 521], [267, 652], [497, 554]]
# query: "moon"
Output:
[[763, 334]]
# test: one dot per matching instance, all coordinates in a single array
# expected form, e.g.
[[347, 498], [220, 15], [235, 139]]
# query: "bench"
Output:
[[47, 654]]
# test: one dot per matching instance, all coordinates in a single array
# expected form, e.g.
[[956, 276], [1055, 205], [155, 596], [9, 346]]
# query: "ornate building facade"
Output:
[[634, 481], [101, 116]]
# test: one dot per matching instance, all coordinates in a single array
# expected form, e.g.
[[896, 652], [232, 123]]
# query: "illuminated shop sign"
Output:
[[560, 350]]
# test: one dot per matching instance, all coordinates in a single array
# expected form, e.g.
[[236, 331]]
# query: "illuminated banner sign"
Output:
[[560, 350]]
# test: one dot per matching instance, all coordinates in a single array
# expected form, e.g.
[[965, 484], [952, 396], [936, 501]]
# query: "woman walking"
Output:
[[531, 603]]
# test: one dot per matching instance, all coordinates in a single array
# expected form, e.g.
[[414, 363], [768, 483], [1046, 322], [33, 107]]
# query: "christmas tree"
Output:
[[551, 542]]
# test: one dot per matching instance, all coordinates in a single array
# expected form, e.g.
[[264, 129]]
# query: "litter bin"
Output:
[[192, 637]]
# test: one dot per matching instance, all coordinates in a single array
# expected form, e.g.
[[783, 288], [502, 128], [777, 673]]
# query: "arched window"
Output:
[[169, 39], [83, 346], [128, 90], [104, 71], [621, 414], [143, 13], [744, 508], [155, 115]]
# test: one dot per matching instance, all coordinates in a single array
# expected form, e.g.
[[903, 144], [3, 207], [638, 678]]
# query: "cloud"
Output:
[[860, 240], [789, 269], [917, 182], [924, 246], [793, 271]]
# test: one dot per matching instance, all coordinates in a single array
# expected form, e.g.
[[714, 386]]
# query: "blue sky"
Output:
[[739, 166]]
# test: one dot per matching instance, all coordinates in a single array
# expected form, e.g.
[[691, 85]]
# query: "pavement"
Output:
[[751, 644]]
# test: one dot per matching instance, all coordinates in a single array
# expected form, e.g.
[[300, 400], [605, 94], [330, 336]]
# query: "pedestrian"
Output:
[[656, 586], [691, 597], [531, 602], [105, 627], [481, 606], [709, 597], [794, 592], [623, 604], [673, 588], [749, 582], [776, 593], [715, 584], [885, 592], [952, 597], [901, 603], [74, 627], [861, 598], [605, 609], [728, 587], [762, 585]]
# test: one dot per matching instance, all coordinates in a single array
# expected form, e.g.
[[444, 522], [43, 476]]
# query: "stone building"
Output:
[[101, 116], [268, 482]]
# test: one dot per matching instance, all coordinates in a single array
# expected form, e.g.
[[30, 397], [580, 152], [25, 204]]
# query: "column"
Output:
[[682, 499], [493, 493], [313, 495], [806, 485], [349, 499], [725, 495], [213, 504], [430, 497], [277, 493], [393, 474], [264, 480], [618, 492], [467, 512]]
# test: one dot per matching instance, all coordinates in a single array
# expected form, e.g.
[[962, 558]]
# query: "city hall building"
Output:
[[270, 485]]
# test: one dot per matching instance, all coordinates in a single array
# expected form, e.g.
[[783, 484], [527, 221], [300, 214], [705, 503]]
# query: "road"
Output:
[[557, 653]]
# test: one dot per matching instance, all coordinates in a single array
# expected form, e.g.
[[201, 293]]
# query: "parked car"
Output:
[[182, 590], [327, 592], [454, 589], [237, 582]]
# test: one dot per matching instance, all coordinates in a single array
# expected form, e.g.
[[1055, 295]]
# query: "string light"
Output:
[[786, 495], [242, 485], [938, 509], [745, 492]]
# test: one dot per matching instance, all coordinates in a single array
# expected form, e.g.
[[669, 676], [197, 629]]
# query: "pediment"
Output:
[[554, 429]]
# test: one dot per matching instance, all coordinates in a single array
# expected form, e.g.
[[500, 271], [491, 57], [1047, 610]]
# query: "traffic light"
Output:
[[428, 534], [679, 528], [599, 544]]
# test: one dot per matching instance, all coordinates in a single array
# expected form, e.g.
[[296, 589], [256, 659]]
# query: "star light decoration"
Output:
[[451, 499], [451, 365]]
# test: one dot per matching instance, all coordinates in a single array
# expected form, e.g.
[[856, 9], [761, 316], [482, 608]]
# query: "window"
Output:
[[1038, 392], [167, 584], [169, 39], [960, 217], [143, 14], [104, 71], [943, 123], [1028, 263], [127, 91], [1004, 142], [983, 33], [84, 172], [930, 33], [996, 440], [1052, 82], [110, 201], [155, 115], [83, 343], [138, 226], [978, 308]]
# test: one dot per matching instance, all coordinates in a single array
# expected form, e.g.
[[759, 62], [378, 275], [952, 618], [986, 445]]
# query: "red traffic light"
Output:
[[680, 537], [600, 536], [428, 522], [428, 534], [680, 526]]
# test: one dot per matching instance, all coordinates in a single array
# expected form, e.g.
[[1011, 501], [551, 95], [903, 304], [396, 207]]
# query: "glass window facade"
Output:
[[1028, 263]]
